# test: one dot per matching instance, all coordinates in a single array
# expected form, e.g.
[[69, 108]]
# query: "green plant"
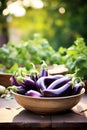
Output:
[[75, 57], [13, 55]]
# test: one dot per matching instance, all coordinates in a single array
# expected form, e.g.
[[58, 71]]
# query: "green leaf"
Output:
[[13, 68]]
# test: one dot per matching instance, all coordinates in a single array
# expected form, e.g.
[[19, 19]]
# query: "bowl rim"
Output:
[[48, 98], [5, 74]]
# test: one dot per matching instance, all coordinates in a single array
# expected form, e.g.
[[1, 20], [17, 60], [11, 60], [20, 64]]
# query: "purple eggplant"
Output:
[[65, 90], [21, 90], [14, 81], [48, 80], [43, 73], [59, 82], [40, 84], [33, 93], [44, 82], [77, 88], [29, 83], [34, 77]]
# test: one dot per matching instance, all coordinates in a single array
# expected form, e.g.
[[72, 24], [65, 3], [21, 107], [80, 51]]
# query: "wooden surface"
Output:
[[13, 116]]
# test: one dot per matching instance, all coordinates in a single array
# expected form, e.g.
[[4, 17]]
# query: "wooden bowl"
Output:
[[5, 79], [48, 105]]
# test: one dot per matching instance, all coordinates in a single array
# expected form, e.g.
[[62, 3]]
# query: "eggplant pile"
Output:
[[44, 85]]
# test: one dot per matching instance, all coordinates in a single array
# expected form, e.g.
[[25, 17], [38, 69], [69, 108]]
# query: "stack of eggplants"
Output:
[[44, 85]]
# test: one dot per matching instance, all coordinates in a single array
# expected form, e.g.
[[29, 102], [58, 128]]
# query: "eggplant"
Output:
[[34, 77], [17, 89], [29, 83], [77, 88], [48, 80], [40, 84], [43, 73], [14, 81], [65, 90], [33, 93], [44, 82], [21, 90], [59, 82]]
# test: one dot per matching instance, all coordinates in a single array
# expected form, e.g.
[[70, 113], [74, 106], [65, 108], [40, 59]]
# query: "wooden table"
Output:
[[13, 116]]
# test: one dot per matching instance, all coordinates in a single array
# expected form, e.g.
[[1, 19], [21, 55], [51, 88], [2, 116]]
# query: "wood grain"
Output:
[[14, 116]]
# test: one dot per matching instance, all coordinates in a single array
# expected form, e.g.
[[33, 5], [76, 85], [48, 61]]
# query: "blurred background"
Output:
[[59, 21]]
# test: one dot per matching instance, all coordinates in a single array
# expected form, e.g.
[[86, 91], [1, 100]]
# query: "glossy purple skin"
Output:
[[65, 90], [77, 88], [43, 73], [58, 83], [33, 93], [40, 84], [21, 90], [44, 82], [29, 83], [48, 80]]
